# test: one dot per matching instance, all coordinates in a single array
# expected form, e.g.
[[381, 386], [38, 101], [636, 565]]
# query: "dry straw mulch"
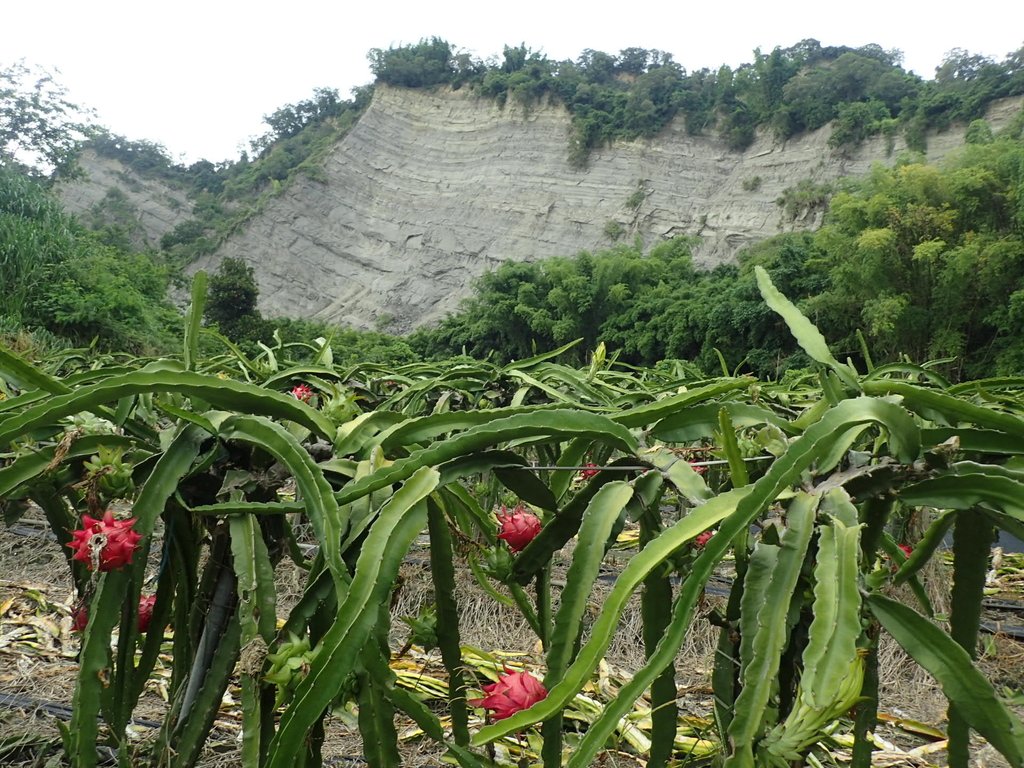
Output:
[[38, 667]]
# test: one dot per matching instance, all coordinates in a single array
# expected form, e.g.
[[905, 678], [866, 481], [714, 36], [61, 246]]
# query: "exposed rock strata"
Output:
[[429, 190], [110, 192]]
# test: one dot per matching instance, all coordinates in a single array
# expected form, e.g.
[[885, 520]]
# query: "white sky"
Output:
[[197, 77]]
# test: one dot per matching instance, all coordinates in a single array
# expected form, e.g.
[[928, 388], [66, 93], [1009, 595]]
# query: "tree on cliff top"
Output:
[[428, 63]]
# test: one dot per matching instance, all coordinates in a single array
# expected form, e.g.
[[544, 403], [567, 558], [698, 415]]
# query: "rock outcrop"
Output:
[[430, 189], [111, 193]]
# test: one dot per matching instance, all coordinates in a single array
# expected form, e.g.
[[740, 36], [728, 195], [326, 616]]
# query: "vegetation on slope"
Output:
[[226, 194], [59, 277], [637, 92], [927, 262], [64, 286]]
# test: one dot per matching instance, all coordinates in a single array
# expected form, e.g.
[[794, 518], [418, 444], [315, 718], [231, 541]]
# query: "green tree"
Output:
[[926, 261], [291, 119], [39, 127], [978, 132], [34, 233], [422, 65], [231, 302], [857, 120], [103, 295]]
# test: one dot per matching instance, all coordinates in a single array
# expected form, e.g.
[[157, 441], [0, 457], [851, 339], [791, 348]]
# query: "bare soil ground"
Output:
[[38, 667]]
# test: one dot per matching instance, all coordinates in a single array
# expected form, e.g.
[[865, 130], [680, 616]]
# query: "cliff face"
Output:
[[429, 190], [111, 193]]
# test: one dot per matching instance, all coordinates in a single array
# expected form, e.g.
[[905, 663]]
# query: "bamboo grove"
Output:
[[218, 461]]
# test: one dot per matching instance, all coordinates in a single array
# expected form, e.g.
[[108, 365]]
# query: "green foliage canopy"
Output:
[[789, 90], [926, 262], [231, 305], [59, 277], [39, 127]]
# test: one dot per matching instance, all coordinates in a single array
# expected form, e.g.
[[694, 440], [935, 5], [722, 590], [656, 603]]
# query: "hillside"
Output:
[[115, 194], [432, 188]]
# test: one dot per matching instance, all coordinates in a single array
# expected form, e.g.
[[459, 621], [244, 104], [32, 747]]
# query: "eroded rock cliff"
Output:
[[111, 193], [429, 190]]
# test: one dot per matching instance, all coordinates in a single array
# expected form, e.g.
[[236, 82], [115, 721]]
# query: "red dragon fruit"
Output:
[[104, 545], [146, 603], [514, 692], [79, 618], [80, 615], [517, 526]]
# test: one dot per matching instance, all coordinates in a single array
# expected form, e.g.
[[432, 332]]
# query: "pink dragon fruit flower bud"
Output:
[[302, 392]]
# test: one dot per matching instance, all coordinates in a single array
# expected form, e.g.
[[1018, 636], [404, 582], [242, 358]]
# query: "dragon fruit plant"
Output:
[[215, 468]]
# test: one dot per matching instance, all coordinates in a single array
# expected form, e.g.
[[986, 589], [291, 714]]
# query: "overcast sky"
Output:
[[197, 77]]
